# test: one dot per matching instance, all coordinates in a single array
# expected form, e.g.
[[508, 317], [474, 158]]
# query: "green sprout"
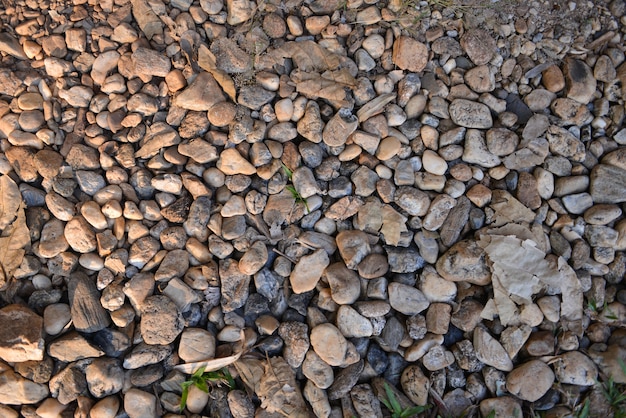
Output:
[[615, 394], [396, 409], [291, 188], [202, 380]]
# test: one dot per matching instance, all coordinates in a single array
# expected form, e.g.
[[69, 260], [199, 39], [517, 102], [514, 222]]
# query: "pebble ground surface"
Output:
[[335, 200]]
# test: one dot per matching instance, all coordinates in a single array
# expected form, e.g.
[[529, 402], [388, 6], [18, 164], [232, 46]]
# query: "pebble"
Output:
[[308, 270], [530, 381]]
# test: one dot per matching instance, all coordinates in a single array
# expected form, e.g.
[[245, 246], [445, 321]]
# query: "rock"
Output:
[[79, 235], [21, 336], [607, 184], [105, 377], [56, 317], [72, 347], [148, 21], [501, 407], [490, 351], [437, 358], [575, 368], [345, 380], [329, 344], [139, 404], [308, 271], [10, 45], [530, 381], [407, 299], [15, 390], [345, 286], [480, 79], [201, 94], [317, 370], [403, 260], [409, 54], [151, 62], [579, 79], [161, 321], [553, 79], [373, 266], [464, 261], [234, 285], [479, 45], [475, 150], [231, 163], [470, 114], [239, 11], [433, 163], [196, 344], [415, 385], [353, 246], [295, 336], [352, 324], [88, 315]]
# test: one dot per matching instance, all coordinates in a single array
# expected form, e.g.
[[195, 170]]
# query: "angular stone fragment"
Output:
[[148, 21], [579, 79], [161, 321], [88, 315], [20, 334], [201, 95], [353, 246], [15, 390], [490, 351], [409, 54], [607, 184], [308, 271], [234, 285], [479, 46], [464, 261], [151, 62], [231, 162]]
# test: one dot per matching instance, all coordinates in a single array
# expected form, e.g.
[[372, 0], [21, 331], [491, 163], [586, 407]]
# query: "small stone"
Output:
[[480, 79], [409, 54], [353, 246], [407, 299], [415, 385], [329, 344], [201, 95], [295, 336], [20, 337], [433, 163], [231, 163], [575, 368], [504, 406], [470, 114], [151, 62], [88, 315], [530, 381], [161, 322], [553, 79], [139, 404], [308, 271], [490, 351], [479, 45], [317, 370], [345, 380], [352, 324], [105, 377], [15, 390], [437, 358], [234, 285], [580, 82], [345, 286], [464, 261]]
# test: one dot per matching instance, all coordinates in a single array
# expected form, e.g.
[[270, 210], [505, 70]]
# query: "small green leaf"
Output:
[[288, 172]]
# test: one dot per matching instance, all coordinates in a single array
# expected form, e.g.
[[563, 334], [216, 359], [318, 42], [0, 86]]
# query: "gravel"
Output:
[[331, 200]]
